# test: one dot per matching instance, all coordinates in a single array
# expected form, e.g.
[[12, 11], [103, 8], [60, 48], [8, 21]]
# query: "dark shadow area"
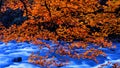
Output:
[[114, 37], [50, 26], [117, 11], [1, 2], [103, 2], [10, 17]]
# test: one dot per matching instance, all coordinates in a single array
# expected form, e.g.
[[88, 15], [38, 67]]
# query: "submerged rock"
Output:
[[17, 59]]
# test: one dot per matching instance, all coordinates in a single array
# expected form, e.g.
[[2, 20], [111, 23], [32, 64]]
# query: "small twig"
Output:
[[24, 4], [47, 8]]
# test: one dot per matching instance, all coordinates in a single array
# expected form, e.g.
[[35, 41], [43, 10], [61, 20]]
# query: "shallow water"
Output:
[[14, 50]]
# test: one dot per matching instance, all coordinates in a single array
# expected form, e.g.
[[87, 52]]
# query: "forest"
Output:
[[78, 23]]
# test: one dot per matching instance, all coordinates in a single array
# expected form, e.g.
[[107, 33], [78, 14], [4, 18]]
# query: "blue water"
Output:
[[12, 50]]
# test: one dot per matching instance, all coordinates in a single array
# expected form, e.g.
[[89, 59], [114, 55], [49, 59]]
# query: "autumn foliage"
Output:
[[78, 22]]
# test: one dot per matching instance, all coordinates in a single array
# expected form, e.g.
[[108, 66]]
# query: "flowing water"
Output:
[[9, 52]]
